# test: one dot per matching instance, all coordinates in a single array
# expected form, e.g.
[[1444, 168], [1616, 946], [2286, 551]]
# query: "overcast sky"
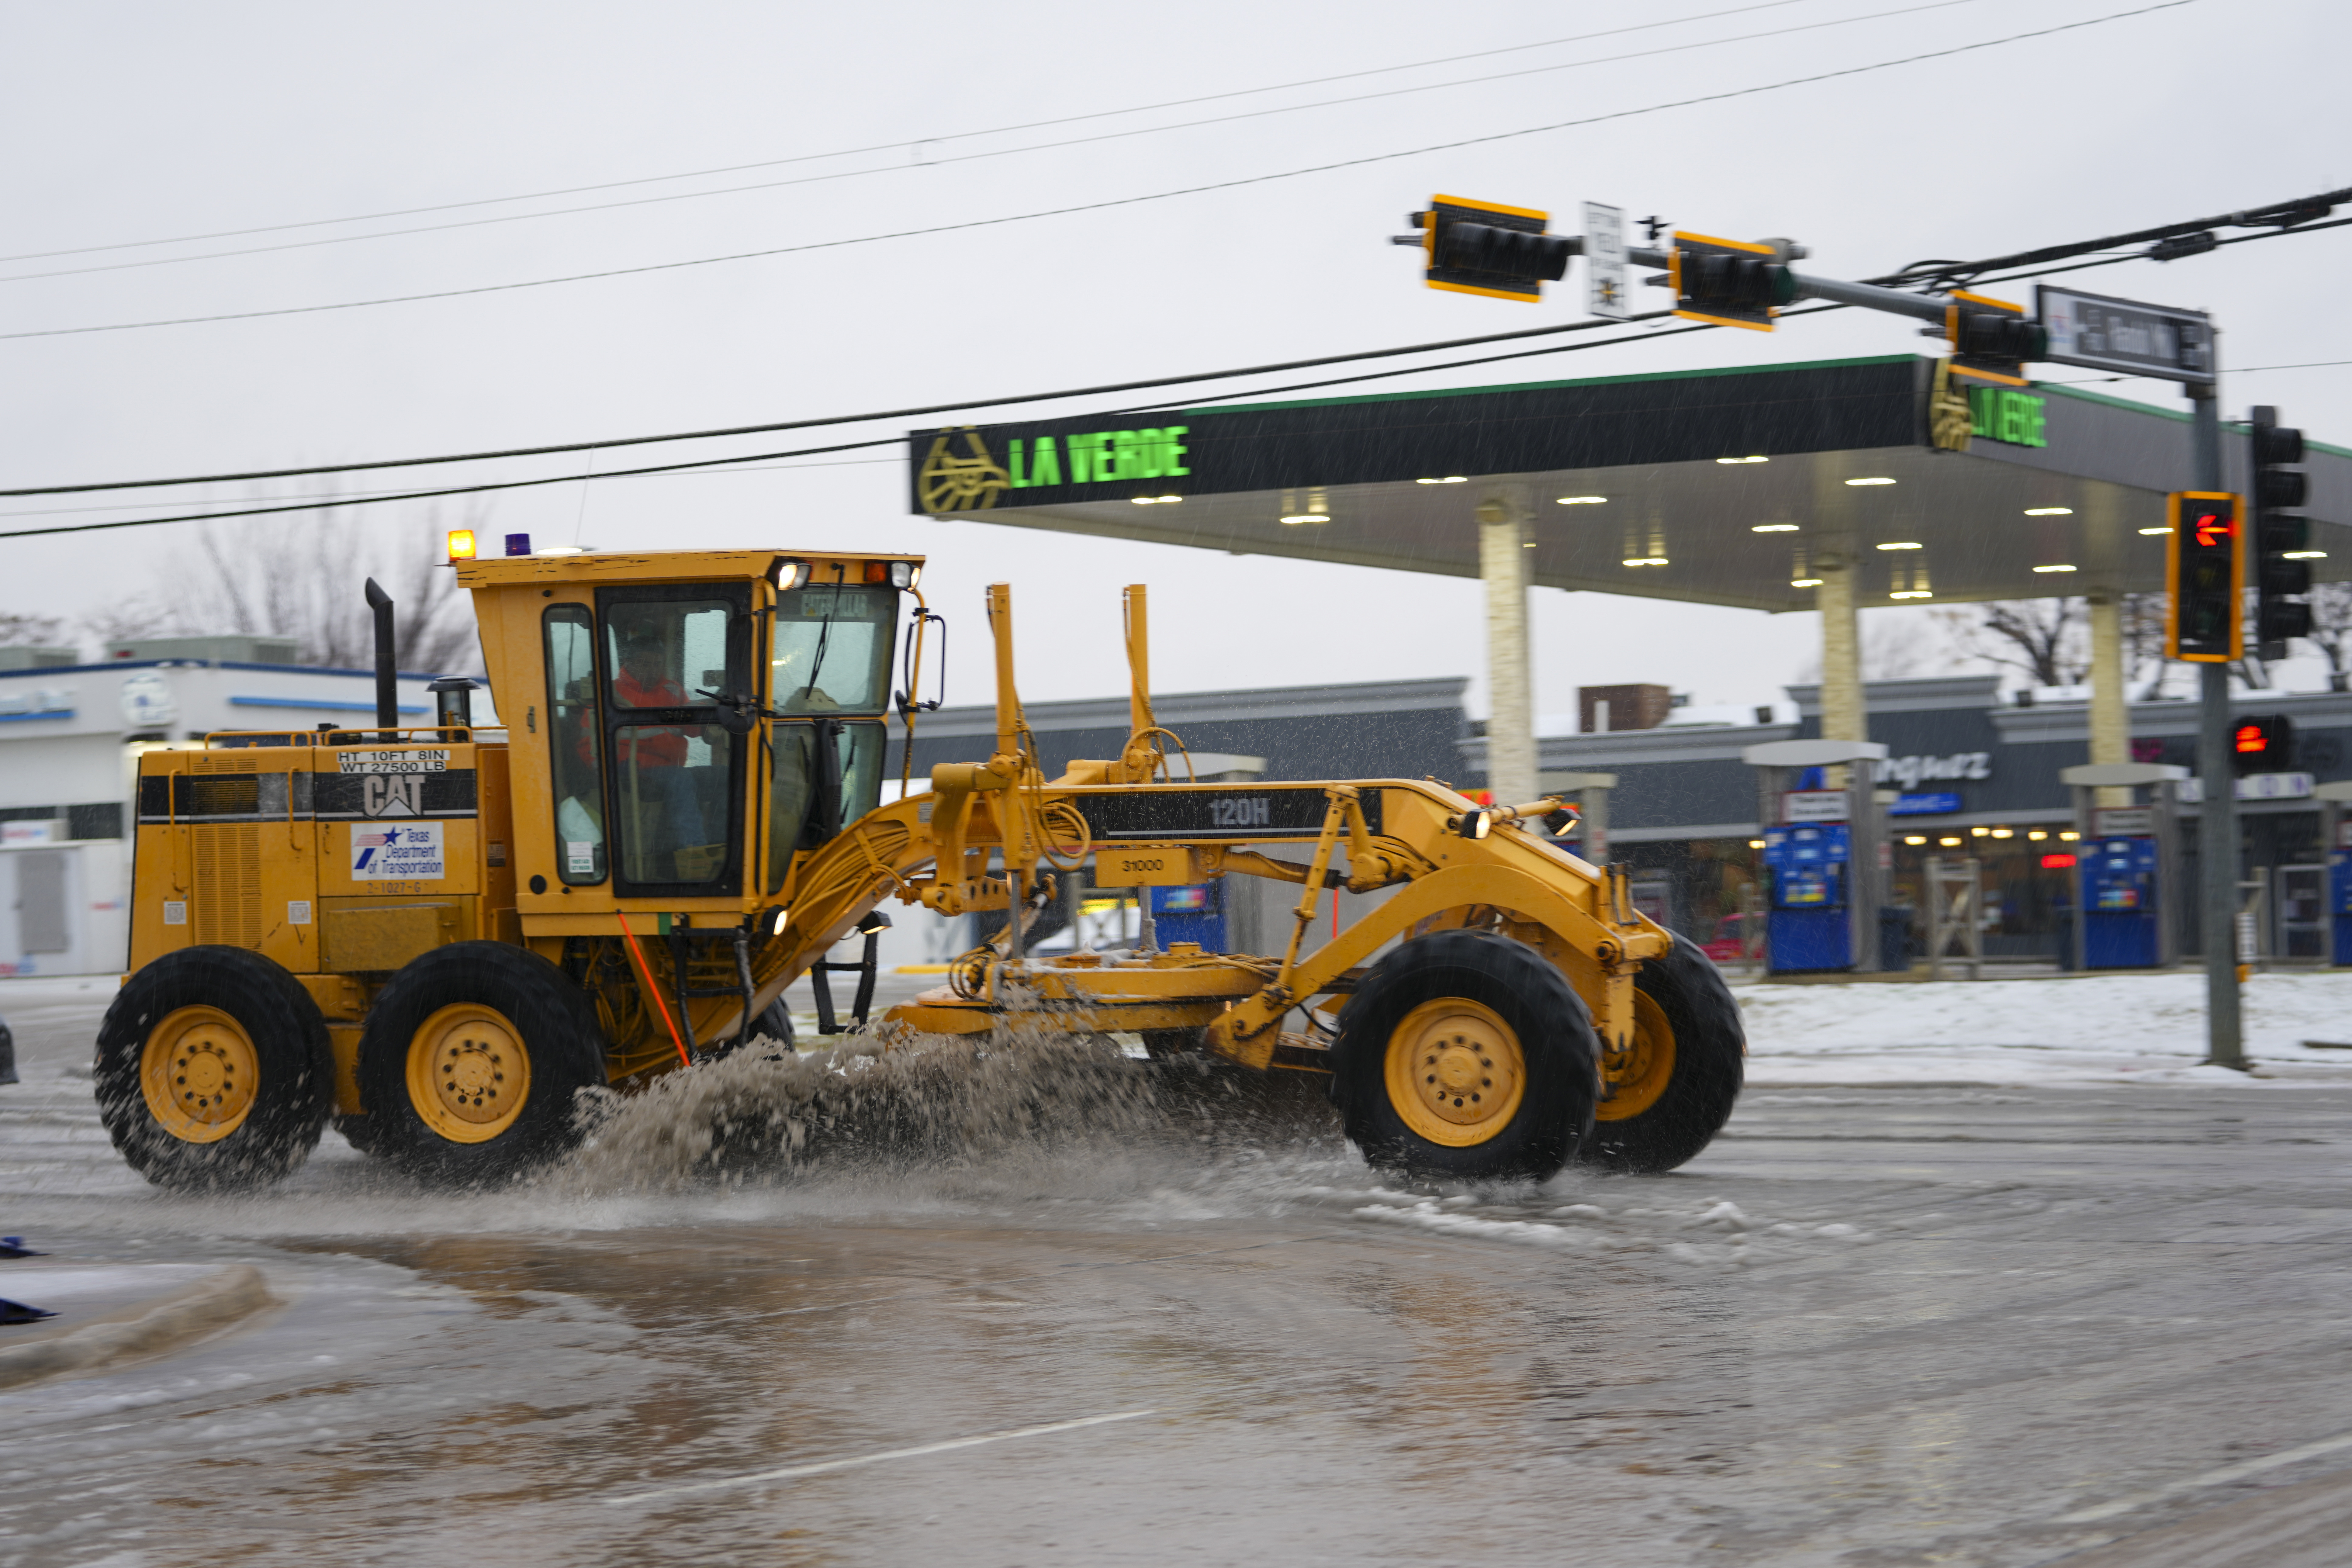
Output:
[[132, 123]]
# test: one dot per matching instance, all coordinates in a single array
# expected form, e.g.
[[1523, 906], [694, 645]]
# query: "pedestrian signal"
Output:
[[2205, 578], [2263, 745]]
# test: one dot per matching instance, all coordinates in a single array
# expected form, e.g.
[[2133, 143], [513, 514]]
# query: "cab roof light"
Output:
[[906, 573], [461, 544], [792, 574], [877, 571]]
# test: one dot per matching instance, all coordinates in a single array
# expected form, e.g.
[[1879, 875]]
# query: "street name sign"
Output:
[[2106, 334]]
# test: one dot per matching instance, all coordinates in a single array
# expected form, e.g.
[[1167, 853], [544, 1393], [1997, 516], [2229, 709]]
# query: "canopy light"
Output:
[[2037, 835], [1950, 843], [1583, 500], [1307, 517], [1158, 500], [1903, 544], [2049, 511], [2156, 530], [2302, 555], [906, 573], [2053, 568], [2069, 836], [1882, 479], [1732, 460], [1914, 593], [2004, 832], [1755, 843], [1646, 560], [1773, 529], [1804, 582], [1914, 838], [1449, 479], [461, 544], [791, 574]]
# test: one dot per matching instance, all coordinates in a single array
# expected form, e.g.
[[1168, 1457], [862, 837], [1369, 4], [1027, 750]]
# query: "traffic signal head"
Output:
[[2281, 535], [1728, 282], [1478, 247], [2205, 579], [2263, 744], [1992, 338]]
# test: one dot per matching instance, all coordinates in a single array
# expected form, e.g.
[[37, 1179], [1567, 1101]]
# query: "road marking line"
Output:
[[821, 1467], [2222, 1477]]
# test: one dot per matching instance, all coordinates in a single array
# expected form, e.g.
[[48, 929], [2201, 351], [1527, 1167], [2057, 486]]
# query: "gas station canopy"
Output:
[[1715, 487]]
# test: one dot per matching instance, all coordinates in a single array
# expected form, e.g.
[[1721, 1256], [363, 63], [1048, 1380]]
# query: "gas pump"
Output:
[[2336, 826], [1810, 918], [1194, 912], [2122, 870], [1824, 851]]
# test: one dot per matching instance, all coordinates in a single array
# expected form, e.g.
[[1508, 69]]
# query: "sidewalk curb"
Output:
[[201, 1309]]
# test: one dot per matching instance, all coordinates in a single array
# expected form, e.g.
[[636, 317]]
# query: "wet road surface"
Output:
[[1872, 1326]]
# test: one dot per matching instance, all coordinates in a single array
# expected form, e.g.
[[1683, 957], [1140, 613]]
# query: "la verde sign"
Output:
[[2000, 413], [963, 472]]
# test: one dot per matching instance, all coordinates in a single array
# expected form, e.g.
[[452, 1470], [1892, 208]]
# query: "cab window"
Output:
[[668, 657], [798, 783], [829, 652], [574, 740]]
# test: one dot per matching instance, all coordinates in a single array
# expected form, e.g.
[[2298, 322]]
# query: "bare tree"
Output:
[[303, 577], [2144, 616], [18, 630], [2044, 639]]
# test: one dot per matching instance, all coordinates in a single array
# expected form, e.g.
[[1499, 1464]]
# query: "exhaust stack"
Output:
[[387, 679]]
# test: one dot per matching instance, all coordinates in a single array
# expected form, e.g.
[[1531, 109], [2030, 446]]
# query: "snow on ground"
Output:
[[2075, 1029]]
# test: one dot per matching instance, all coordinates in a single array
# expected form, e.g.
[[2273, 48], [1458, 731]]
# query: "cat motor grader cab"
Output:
[[437, 934]]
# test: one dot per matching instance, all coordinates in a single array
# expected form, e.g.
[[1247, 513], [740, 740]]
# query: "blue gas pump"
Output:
[[1190, 914], [2116, 882], [1810, 925]]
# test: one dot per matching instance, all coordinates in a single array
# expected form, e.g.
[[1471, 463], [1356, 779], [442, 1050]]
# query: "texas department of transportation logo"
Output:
[[966, 481]]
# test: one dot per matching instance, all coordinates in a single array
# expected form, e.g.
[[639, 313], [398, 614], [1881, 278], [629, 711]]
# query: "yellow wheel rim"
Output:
[[1455, 1072], [468, 1074], [1638, 1074], [200, 1074]]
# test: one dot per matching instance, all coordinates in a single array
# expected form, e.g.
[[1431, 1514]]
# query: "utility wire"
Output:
[[707, 465], [1355, 357], [381, 498], [989, 153], [892, 146], [1116, 202]]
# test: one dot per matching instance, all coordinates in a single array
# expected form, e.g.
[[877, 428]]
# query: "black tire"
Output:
[[539, 1010], [1514, 984], [776, 1023], [294, 1072], [1709, 1045]]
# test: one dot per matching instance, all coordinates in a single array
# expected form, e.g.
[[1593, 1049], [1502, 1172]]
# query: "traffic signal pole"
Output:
[[2217, 827]]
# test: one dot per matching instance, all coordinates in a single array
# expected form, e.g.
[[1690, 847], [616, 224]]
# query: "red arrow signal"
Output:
[[2212, 529]]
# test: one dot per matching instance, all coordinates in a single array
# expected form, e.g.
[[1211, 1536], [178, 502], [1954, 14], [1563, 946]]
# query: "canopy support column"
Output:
[[2110, 716], [1510, 696]]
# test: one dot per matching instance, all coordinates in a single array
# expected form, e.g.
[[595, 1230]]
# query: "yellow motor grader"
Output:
[[437, 936]]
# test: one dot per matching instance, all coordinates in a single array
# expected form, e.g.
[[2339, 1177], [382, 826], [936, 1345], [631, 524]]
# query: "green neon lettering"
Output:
[[2036, 412], [1045, 466], [1171, 456], [1150, 454], [1082, 459], [1013, 464], [1125, 460]]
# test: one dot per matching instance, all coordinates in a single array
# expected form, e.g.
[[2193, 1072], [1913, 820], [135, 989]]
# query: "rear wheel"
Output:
[[470, 1059], [1672, 1087], [1466, 1055], [212, 1069]]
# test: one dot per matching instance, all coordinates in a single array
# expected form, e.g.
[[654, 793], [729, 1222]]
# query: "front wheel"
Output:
[[1672, 1087], [1469, 1056], [470, 1059], [212, 1069]]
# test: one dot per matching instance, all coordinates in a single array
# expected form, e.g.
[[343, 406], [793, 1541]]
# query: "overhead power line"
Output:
[[988, 154], [1115, 201], [2076, 249], [894, 146], [712, 464]]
